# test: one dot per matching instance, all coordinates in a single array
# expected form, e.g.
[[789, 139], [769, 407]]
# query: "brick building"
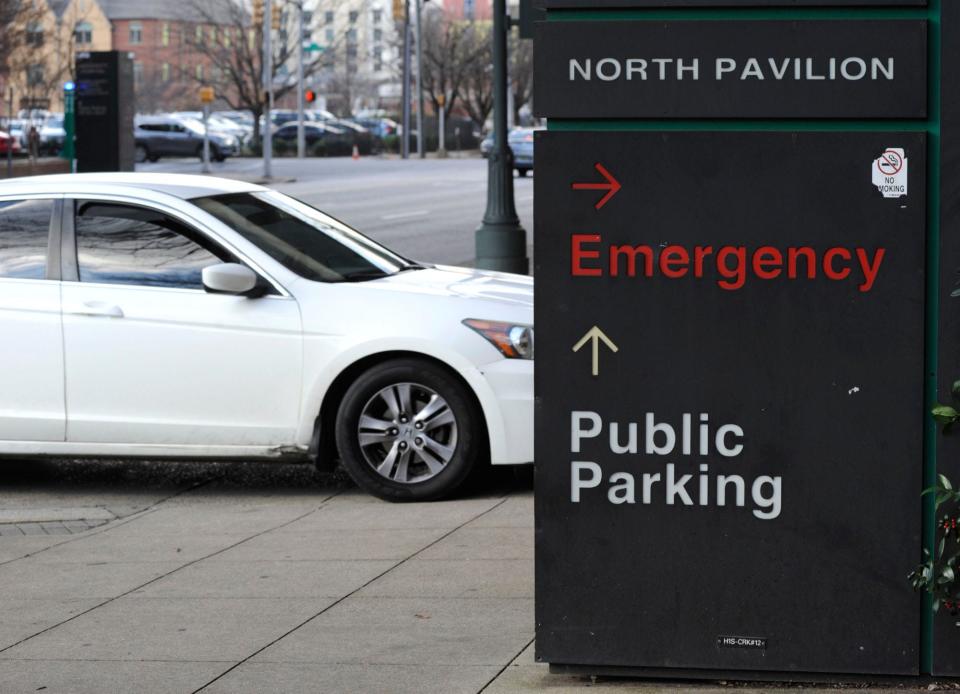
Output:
[[161, 36]]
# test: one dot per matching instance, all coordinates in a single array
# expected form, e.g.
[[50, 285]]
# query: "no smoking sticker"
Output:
[[889, 173]]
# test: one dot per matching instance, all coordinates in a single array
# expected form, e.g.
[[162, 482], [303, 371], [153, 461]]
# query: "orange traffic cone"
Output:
[[356, 152]]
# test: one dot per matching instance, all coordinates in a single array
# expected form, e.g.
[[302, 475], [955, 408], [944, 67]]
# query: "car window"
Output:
[[24, 231], [124, 244], [303, 239]]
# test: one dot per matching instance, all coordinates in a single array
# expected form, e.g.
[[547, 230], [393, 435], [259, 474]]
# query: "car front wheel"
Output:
[[407, 430]]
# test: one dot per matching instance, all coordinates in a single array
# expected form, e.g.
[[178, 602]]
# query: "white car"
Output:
[[160, 316]]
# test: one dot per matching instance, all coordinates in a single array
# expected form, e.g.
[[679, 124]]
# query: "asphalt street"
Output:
[[425, 209]]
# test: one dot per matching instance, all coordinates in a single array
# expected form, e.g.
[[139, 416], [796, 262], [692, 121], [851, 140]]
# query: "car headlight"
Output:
[[512, 340]]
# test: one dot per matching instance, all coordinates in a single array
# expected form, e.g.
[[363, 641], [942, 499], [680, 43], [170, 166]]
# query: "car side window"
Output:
[[125, 244], [24, 234]]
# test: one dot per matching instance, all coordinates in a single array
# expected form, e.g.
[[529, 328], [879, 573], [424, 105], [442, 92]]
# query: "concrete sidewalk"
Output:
[[212, 584]]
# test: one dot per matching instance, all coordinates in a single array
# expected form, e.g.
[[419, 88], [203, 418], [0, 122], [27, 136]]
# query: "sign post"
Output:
[[736, 212], [206, 98], [69, 125]]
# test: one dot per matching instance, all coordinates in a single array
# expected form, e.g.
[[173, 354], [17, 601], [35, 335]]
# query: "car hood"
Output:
[[500, 287]]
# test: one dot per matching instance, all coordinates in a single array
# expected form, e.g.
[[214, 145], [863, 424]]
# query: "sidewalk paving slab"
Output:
[[459, 578], [302, 678], [39, 577], [481, 543], [214, 578], [105, 676], [411, 631], [335, 544], [23, 617], [185, 629]]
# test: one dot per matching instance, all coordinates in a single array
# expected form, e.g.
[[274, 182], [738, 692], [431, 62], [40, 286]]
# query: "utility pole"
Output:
[[406, 80], [10, 132], [301, 142], [442, 134], [421, 152], [267, 136], [501, 241]]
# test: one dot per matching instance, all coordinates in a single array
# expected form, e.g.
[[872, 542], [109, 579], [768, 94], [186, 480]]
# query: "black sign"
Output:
[[104, 111], [597, 4], [735, 447], [731, 69]]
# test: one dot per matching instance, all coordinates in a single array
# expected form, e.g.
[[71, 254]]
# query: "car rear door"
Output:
[[152, 358], [31, 348]]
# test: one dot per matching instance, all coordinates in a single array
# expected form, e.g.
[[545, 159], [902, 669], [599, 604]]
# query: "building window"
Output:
[[165, 72], [137, 73], [351, 36], [34, 34], [329, 35], [377, 59], [328, 17], [307, 17], [136, 32], [226, 37], [378, 35], [35, 75], [213, 34], [377, 16], [354, 15], [199, 73], [351, 50], [83, 32], [165, 34]]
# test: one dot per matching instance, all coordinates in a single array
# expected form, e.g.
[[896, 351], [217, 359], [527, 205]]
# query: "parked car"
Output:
[[360, 136], [52, 134], [172, 136], [379, 127], [520, 142], [197, 317], [10, 144], [220, 124], [335, 140]]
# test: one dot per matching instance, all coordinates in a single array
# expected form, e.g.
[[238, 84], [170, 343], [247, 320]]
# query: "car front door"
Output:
[[31, 341], [152, 358]]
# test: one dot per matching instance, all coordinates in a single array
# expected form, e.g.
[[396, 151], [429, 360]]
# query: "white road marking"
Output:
[[404, 215]]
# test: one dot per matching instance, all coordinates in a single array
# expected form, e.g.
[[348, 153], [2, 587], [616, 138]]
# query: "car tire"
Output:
[[522, 173], [141, 154], [423, 454]]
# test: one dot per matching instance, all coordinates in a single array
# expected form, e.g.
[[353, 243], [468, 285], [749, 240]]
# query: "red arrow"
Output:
[[612, 186]]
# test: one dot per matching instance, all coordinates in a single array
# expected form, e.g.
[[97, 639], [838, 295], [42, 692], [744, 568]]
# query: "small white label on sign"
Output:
[[890, 173]]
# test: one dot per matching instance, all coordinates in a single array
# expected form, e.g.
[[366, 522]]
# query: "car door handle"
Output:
[[96, 308]]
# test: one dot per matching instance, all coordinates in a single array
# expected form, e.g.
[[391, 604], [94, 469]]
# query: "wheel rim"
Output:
[[407, 433]]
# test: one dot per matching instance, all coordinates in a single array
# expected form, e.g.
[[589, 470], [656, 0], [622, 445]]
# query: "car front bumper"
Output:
[[511, 381]]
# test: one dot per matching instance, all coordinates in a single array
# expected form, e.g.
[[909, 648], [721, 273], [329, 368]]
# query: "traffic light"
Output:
[[309, 96], [276, 12], [257, 13]]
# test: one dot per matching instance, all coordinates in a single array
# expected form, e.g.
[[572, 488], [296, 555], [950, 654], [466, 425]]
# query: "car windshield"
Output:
[[304, 240]]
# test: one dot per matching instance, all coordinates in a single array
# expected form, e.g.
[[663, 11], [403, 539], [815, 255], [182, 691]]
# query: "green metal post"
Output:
[[69, 125], [501, 241]]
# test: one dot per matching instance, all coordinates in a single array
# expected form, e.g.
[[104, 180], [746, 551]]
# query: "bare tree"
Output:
[[233, 51], [451, 51], [478, 81], [521, 72]]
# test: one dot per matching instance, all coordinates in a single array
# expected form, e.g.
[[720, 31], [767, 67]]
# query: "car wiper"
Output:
[[413, 266]]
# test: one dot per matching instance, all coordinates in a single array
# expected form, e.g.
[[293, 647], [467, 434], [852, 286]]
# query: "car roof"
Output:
[[183, 186]]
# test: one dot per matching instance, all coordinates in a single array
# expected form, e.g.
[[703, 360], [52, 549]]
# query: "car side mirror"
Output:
[[230, 278]]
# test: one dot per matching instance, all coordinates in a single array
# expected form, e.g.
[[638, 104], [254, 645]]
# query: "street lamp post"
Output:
[[301, 142], [405, 146], [501, 242], [266, 138], [421, 150]]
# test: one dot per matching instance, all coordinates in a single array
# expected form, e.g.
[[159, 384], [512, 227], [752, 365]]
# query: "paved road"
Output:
[[425, 209]]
